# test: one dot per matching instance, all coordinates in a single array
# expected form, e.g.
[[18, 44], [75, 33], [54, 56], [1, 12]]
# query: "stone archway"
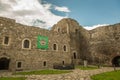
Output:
[[116, 61], [4, 63]]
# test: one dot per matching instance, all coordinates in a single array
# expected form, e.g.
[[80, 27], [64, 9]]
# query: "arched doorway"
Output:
[[4, 63], [116, 61], [74, 55]]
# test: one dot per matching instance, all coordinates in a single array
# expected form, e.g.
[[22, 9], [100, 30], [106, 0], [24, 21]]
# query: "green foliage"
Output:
[[43, 72], [114, 75], [87, 68], [12, 78]]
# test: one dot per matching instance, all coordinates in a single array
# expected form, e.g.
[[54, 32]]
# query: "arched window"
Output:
[[44, 63], [74, 56], [26, 43], [58, 29], [54, 47], [63, 62], [19, 64], [76, 31], [6, 40], [64, 48]]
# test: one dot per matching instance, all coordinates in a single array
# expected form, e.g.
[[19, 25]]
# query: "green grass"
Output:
[[43, 72], [12, 78], [114, 75], [86, 68]]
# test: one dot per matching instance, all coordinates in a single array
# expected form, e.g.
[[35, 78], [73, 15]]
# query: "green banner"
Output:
[[42, 42]]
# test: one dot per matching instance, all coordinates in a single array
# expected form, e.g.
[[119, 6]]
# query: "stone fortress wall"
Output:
[[105, 44], [32, 57], [73, 44]]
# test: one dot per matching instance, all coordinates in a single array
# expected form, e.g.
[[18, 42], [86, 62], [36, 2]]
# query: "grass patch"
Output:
[[12, 78], [43, 72], [114, 75], [86, 68]]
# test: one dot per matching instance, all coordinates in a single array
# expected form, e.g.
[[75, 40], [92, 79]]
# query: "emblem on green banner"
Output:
[[42, 42]]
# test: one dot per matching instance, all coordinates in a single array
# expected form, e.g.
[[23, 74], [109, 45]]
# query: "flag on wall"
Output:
[[42, 42]]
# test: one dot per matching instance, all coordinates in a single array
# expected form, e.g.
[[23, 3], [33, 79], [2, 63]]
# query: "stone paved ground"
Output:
[[77, 74]]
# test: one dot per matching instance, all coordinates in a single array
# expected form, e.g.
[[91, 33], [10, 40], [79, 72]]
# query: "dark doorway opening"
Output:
[[4, 64], [116, 61], [74, 56]]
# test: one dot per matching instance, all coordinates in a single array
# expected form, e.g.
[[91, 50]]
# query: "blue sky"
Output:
[[45, 13], [91, 12]]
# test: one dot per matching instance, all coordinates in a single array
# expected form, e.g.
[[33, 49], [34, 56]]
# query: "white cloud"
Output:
[[95, 26], [62, 9], [27, 11]]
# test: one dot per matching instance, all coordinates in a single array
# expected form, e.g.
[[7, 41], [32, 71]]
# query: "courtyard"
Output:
[[76, 74]]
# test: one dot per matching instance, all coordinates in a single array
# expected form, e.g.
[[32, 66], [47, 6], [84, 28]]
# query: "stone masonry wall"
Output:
[[78, 38], [97, 46], [105, 43], [32, 58]]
